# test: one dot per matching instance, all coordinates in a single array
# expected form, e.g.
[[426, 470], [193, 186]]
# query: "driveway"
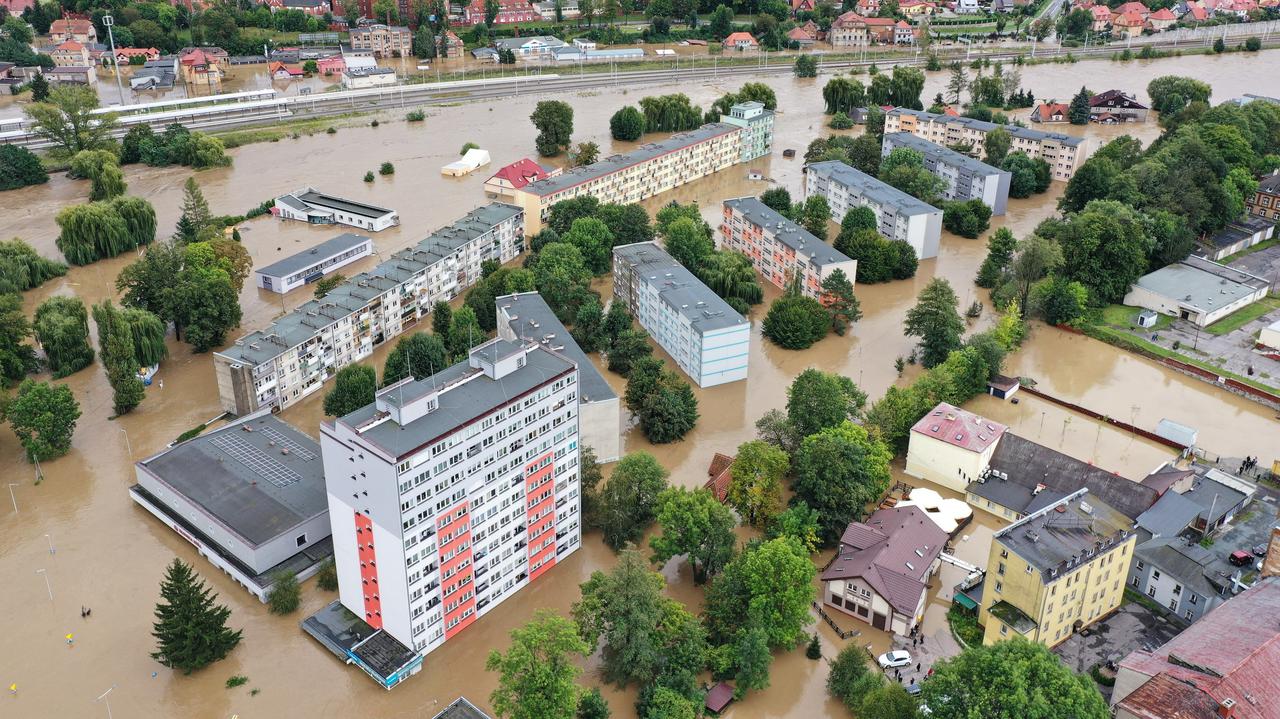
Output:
[[1132, 627], [1263, 263]]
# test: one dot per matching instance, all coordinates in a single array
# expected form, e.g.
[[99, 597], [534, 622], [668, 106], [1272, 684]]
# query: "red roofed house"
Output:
[[740, 41], [799, 6], [78, 29], [1128, 24], [881, 571], [1050, 112], [15, 7], [867, 8], [719, 477], [515, 176], [881, 29], [332, 65], [202, 66], [126, 54], [509, 11], [849, 30], [1101, 17], [903, 33], [1195, 13], [916, 7], [1225, 666], [71, 54], [1134, 7], [450, 44], [285, 71], [1162, 19], [801, 37], [951, 446]]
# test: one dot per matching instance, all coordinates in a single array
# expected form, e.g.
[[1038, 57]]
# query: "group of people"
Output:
[[1248, 464]]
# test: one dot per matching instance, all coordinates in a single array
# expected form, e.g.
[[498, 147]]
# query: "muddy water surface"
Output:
[[110, 555]]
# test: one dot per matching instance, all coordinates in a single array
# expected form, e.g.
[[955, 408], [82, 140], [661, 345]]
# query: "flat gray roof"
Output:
[[938, 153], [534, 320], [870, 187], [1200, 283], [457, 405], [242, 476], [787, 232], [614, 163], [679, 288], [983, 126], [310, 317], [310, 257], [1052, 539], [514, 43], [319, 199]]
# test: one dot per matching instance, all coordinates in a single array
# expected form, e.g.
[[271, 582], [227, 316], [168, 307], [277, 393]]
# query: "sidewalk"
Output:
[[937, 646]]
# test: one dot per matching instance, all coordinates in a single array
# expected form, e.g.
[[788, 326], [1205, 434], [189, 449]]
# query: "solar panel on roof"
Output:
[[294, 447], [255, 459]]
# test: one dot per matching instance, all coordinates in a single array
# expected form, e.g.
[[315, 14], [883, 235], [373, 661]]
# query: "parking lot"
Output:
[[1132, 627]]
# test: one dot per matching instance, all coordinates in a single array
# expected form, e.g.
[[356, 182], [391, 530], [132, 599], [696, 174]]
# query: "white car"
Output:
[[899, 658]]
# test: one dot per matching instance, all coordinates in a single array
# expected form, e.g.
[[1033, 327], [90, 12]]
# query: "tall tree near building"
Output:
[[627, 124], [777, 199], [191, 628], [43, 416], [839, 471], [904, 169], [102, 169], [1000, 248], [755, 487], [1104, 247], [628, 500], [796, 322], [688, 243], [815, 214], [538, 672], [1013, 679], [39, 88], [119, 356], [464, 332], [441, 318], [670, 411], [20, 167], [624, 608], [697, 526], [1078, 110], [563, 279], [62, 328], [588, 326], [195, 214], [768, 587], [996, 146], [798, 522], [842, 304], [851, 678], [67, 119], [752, 659], [957, 84], [908, 83], [353, 388], [935, 319], [1036, 257], [843, 94], [817, 400], [206, 305], [554, 121], [594, 240]]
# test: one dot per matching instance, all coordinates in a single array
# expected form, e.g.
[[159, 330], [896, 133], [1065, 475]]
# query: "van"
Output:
[[1240, 558]]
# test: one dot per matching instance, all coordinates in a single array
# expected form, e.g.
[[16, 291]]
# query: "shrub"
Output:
[[285, 594], [238, 680], [416, 116], [840, 121], [20, 167], [193, 432], [1253, 44], [387, 169], [368, 176], [331, 131], [796, 322], [327, 577], [373, 124], [1095, 671]]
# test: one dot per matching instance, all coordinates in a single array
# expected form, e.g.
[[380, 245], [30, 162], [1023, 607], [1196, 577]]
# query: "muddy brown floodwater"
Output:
[[110, 555]]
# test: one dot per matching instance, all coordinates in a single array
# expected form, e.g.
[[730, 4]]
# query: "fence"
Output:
[[1099, 416], [835, 627]]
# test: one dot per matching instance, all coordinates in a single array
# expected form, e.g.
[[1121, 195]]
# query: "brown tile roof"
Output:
[[959, 428], [1165, 477], [892, 551], [719, 476], [1164, 697]]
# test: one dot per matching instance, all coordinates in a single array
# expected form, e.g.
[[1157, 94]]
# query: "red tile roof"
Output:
[[892, 551], [719, 476], [522, 172], [1100, 12], [1163, 14], [1133, 7], [1128, 19], [881, 21], [1235, 650], [1047, 110], [719, 697], [70, 46], [735, 38], [1164, 697], [959, 428]]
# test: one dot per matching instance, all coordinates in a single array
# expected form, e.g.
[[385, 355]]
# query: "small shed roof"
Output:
[[719, 697]]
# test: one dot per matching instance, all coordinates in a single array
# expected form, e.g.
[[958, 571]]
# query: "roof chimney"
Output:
[[1227, 709]]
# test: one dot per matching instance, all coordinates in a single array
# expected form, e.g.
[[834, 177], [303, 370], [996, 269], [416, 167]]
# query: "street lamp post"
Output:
[[103, 698], [50, 538], [109, 21], [13, 497], [127, 444], [47, 586]]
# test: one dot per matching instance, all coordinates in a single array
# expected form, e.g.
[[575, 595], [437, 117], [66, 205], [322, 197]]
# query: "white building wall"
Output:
[[943, 463], [602, 429], [724, 355]]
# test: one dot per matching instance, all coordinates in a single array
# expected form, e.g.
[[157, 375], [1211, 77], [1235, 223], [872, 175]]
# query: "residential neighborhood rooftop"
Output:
[[959, 428], [984, 126], [534, 320], [893, 551], [787, 232], [679, 288], [939, 153], [1054, 539], [870, 188], [310, 256]]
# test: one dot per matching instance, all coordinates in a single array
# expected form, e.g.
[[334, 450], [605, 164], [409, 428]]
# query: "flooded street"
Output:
[[110, 555]]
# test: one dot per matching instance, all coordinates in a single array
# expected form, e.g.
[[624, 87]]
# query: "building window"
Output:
[[1000, 569], [1004, 630], [1188, 614], [999, 587], [1195, 599], [1141, 565], [1134, 582], [1155, 574], [302, 539]]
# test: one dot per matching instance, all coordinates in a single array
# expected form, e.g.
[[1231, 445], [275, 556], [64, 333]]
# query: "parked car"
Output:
[[1240, 558], [1260, 550], [913, 689], [898, 658]]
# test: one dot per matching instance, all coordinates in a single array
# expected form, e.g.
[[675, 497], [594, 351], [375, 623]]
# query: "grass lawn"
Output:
[[1122, 316], [1243, 316]]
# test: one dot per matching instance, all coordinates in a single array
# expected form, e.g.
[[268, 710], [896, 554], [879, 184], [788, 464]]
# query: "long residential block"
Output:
[[526, 317], [741, 136], [292, 358], [1064, 153], [311, 264], [899, 216], [706, 337], [778, 248], [966, 177], [449, 494]]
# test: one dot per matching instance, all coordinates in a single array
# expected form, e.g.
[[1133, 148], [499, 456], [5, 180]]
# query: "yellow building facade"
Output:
[[1056, 571]]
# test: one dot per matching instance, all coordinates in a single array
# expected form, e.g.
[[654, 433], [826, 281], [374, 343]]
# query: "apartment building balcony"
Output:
[[521, 544]]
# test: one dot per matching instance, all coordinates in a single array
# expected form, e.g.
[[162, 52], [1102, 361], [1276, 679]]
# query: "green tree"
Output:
[[627, 124], [996, 146], [419, 354], [796, 322], [755, 486], [889, 701], [721, 23], [586, 153], [1036, 257], [817, 400], [1104, 247], [858, 218], [851, 678], [670, 411], [102, 169], [594, 241], [588, 326], [752, 659], [967, 218], [904, 169], [39, 88], [353, 388], [205, 299], [731, 275], [1013, 678], [43, 416], [800, 523], [562, 278], [19, 167], [628, 223], [1000, 247], [936, 321], [195, 216], [777, 199], [958, 83], [285, 595], [1078, 110], [665, 703], [538, 672], [21, 268], [768, 587], [629, 498], [628, 347], [806, 66], [190, 628], [554, 121], [1025, 175], [62, 328], [592, 705], [688, 242], [624, 608], [441, 318], [327, 577], [464, 332], [328, 284], [843, 94], [119, 354], [908, 83], [697, 526], [814, 214], [842, 304], [139, 219], [91, 232], [66, 120], [838, 471], [1059, 301]]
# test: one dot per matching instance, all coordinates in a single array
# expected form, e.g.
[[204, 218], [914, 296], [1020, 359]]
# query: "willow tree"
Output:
[[115, 341], [21, 268], [139, 219], [729, 274], [102, 168], [843, 94], [147, 332], [91, 232], [62, 328]]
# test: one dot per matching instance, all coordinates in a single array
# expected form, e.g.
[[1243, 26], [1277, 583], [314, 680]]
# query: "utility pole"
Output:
[[47, 586], [115, 60], [103, 698], [12, 497]]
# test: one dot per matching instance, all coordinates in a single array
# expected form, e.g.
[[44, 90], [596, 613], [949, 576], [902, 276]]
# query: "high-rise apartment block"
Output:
[[1064, 153], [778, 248], [966, 177], [292, 358], [706, 337], [899, 216], [449, 494], [741, 136]]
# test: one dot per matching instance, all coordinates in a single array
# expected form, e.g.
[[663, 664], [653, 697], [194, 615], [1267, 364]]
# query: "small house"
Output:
[[473, 160], [719, 477], [284, 71], [951, 446], [450, 45], [740, 42], [367, 77], [1124, 107], [1050, 112], [1002, 387], [332, 65]]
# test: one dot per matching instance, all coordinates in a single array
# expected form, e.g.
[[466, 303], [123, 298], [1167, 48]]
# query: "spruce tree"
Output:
[[190, 629], [1078, 110], [195, 212]]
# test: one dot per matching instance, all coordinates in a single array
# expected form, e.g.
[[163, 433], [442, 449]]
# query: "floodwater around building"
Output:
[[110, 555]]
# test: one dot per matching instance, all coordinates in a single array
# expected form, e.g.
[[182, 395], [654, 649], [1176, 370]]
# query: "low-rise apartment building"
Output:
[[1265, 203], [706, 337], [1064, 153], [656, 166], [317, 208], [292, 358], [778, 248], [951, 446], [899, 216], [449, 494], [383, 40], [967, 178], [313, 263], [1056, 571]]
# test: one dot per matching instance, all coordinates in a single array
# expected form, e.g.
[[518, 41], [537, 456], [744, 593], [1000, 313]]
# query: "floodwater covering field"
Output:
[[111, 555]]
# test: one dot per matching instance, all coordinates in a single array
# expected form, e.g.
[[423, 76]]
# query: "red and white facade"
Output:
[[451, 493]]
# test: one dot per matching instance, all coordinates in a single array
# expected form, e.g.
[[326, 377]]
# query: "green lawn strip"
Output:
[[1243, 316], [1127, 341], [1124, 316], [1250, 250]]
